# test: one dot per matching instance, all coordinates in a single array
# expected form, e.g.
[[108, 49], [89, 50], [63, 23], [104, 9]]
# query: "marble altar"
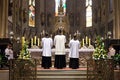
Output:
[[85, 54]]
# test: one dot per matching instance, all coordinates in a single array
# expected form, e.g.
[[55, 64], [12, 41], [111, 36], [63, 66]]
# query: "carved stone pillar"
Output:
[[116, 28], [3, 18]]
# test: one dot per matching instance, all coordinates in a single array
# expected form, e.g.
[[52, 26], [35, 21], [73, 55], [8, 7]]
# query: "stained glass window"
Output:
[[88, 13], [31, 13], [57, 4]]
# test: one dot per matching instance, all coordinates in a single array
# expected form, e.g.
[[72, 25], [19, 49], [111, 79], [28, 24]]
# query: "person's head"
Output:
[[9, 46], [59, 31], [75, 37], [46, 34], [111, 46]]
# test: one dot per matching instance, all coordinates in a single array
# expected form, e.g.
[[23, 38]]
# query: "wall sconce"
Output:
[[18, 40], [109, 34], [12, 38], [11, 35]]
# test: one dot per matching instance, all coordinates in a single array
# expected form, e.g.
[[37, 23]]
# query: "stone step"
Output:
[[72, 74]]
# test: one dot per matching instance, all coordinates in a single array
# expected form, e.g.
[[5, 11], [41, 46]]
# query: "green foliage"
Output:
[[100, 52], [3, 59], [24, 53], [116, 58]]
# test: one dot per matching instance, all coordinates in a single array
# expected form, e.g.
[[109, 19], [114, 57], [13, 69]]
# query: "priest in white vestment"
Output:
[[47, 44], [74, 45], [60, 56]]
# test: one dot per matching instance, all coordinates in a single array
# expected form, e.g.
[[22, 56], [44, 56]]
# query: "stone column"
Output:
[[116, 29], [3, 18]]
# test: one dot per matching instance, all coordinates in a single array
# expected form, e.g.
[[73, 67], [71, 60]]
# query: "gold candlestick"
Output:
[[89, 42], [38, 40], [83, 41], [31, 42], [35, 40], [23, 40], [86, 40]]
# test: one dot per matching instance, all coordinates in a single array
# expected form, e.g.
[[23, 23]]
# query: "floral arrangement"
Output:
[[24, 53], [100, 52]]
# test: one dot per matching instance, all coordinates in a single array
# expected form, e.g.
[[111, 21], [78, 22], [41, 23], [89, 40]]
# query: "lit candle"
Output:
[[89, 42], [31, 42], [38, 40], [35, 40], [86, 40], [83, 41]]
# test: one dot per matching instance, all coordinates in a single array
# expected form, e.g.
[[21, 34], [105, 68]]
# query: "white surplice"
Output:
[[59, 42], [74, 48], [9, 53], [47, 45]]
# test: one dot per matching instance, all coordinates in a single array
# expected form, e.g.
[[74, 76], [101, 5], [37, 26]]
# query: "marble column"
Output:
[[3, 18], [116, 28]]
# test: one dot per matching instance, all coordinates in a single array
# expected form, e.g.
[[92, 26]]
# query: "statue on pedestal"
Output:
[[61, 20], [60, 8]]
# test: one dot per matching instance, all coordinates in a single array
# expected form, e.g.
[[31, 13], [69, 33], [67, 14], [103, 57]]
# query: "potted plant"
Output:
[[24, 53], [100, 52]]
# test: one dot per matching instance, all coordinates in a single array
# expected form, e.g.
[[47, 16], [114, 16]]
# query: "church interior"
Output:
[[96, 23]]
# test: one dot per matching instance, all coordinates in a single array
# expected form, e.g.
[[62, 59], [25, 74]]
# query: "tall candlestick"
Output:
[[89, 42], [86, 40], [23, 40], [31, 42], [35, 40], [83, 41], [38, 42]]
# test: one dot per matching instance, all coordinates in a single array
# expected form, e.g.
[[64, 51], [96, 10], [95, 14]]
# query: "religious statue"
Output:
[[43, 33], [61, 21], [60, 8]]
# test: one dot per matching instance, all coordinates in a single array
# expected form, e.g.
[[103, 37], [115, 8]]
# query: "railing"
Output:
[[100, 69], [21, 69]]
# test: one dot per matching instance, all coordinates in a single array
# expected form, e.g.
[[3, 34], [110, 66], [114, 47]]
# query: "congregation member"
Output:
[[111, 52], [74, 45], [47, 44], [9, 52], [60, 56]]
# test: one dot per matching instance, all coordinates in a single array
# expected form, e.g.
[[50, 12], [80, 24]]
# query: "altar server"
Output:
[[111, 52], [9, 52], [60, 57], [74, 45], [47, 44]]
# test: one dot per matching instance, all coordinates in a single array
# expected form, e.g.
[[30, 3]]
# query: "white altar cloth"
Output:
[[66, 50]]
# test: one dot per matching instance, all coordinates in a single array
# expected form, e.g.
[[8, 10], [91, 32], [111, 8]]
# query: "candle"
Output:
[[83, 41], [86, 40], [38, 41], [89, 42], [23, 40], [35, 40], [31, 42]]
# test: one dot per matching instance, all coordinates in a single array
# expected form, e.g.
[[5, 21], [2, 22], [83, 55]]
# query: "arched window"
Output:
[[88, 13], [57, 4], [31, 22]]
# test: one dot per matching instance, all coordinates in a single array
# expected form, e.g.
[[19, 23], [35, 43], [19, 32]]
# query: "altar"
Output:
[[85, 54]]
